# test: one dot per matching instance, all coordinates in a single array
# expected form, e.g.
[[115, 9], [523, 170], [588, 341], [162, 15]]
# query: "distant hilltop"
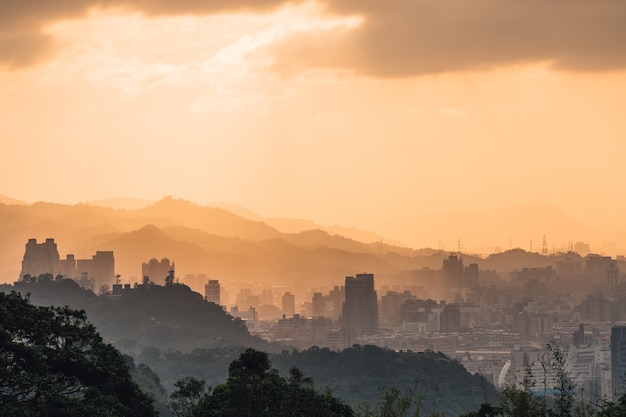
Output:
[[202, 234], [11, 201], [479, 231], [121, 203], [204, 239]]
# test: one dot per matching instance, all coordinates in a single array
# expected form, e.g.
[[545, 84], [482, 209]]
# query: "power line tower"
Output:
[[544, 246]]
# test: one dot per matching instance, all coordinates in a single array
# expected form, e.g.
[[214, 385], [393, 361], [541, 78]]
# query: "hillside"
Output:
[[10, 201], [170, 317], [359, 373], [223, 245], [356, 375], [200, 239]]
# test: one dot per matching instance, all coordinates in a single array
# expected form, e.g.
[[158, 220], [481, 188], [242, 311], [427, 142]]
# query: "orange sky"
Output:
[[363, 113]]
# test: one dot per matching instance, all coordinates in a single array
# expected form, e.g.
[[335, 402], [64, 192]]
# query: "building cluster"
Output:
[[43, 258], [157, 270], [497, 324]]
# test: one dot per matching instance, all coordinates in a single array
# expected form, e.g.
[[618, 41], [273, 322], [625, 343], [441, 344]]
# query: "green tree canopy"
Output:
[[254, 389], [54, 363]]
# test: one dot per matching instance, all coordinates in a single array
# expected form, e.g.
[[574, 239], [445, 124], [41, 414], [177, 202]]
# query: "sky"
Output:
[[373, 114]]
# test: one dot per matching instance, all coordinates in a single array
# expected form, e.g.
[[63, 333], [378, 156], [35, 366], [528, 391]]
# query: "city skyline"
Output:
[[320, 111], [365, 194]]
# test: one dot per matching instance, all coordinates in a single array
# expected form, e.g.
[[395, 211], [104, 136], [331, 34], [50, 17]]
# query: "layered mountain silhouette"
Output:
[[200, 239], [8, 200], [121, 203], [227, 246]]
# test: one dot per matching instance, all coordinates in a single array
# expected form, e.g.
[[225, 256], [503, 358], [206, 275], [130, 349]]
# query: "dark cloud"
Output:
[[396, 38], [22, 42], [20, 11], [411, 37], [21, 49]]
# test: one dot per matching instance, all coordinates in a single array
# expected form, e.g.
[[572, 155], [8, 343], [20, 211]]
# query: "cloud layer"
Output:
[[23, 41], [412, 37], [396, 37]]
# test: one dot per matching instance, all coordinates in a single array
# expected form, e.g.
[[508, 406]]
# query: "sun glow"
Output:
[[229, 107]]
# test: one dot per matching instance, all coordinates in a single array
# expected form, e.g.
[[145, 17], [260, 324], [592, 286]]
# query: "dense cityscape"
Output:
[[494, 325], [312, 208]]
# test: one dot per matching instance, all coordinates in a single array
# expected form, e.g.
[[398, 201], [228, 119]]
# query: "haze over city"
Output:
[[228, 205], [392, 119]]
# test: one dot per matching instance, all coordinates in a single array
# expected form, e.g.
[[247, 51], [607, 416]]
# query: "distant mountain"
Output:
[[208, 219], [288, 225], [281, 261], [224, 245], [11, 201], [238, 210], [201, 240], [300, 225], [120, 203], [516, 259], [82, 229]]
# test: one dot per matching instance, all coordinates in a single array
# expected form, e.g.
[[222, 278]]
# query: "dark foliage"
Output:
[[359, 373], [162, 326], [254, 389], [170, 317], [54, 363], [150, 383]]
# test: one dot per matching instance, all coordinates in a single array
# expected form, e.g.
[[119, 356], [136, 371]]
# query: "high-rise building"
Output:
[[246, 299], [68, 266], [452, 272], [471, 276], [602, 270], [267, 298], [360, 309], [618, 360], [100, 268], [455, 275], [289, 304], [212, 291], [390, 304], [40, 258], [103, 268], [450, 319], [317, 305], [336, 297], [91, 273], [157, 270]]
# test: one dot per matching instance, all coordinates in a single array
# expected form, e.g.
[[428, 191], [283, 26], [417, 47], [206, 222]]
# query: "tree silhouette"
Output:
[[54, 363], [255, 389]]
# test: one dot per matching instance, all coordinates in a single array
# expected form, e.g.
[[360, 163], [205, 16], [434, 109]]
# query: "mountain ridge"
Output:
[[215, 242]]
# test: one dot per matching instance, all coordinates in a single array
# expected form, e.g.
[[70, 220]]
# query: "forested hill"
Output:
[[168, 317], [359, 373], [356, 375], [178, 334]]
